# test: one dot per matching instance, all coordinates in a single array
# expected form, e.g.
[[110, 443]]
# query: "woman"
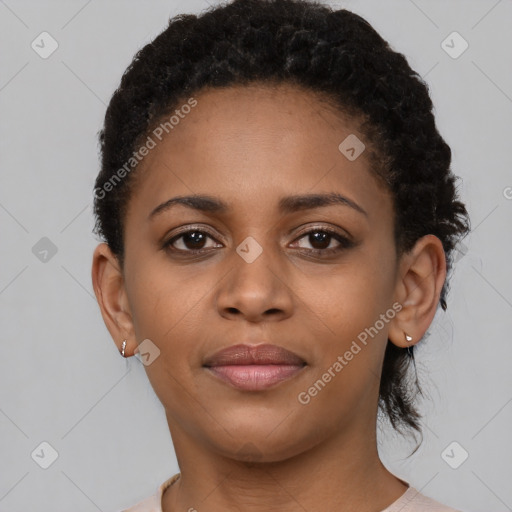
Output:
[[278, 214]]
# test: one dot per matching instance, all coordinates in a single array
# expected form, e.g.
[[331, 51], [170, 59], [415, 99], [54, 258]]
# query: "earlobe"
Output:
[[109, 288], [418, 289]]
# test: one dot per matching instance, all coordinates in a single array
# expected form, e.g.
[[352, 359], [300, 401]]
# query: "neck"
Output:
[[343, 473]]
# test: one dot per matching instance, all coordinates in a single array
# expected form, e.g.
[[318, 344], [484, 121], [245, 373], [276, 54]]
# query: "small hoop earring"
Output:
[[123, 346]]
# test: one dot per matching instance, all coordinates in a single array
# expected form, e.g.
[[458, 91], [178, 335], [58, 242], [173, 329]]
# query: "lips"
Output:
[[254, 355], [254, 368]]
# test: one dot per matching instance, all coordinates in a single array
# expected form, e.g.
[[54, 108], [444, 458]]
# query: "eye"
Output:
[[324, 241], [192, 241]]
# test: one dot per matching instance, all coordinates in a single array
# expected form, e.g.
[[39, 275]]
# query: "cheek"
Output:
[[348, 313], [349, 337], [168, 308], [350, 297], [164, 311], [159, 295]]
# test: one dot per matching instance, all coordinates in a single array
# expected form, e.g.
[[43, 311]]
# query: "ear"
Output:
[[109, 287], [418, 289]]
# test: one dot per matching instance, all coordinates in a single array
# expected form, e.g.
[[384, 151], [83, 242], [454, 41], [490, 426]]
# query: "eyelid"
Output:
[[306, 230], [330, 229], [192, 227], [183, 230]]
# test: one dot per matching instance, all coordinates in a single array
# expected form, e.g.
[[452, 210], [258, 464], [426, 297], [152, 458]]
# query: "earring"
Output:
[[122, 348], [409, 347]]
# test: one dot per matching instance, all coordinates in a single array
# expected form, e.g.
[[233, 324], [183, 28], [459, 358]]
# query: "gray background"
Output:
[[62, 378]]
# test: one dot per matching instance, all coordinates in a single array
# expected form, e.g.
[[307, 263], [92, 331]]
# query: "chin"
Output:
[[261, 448]]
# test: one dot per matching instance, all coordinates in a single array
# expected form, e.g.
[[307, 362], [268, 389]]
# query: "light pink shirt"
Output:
[[410, 501]]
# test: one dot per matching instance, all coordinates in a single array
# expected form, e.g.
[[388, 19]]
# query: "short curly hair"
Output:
[[334, 53]]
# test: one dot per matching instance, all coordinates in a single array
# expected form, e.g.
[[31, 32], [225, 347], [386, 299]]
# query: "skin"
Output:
[[250, 146]]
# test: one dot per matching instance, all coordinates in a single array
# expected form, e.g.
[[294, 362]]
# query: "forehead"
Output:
[[253, 144]]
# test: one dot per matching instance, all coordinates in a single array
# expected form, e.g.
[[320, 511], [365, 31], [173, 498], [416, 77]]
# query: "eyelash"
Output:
[[344, 242]]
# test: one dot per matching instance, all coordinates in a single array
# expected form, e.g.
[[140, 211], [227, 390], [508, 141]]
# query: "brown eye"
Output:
[[320, 239], [191, 241], [323, 241], [194, 239]]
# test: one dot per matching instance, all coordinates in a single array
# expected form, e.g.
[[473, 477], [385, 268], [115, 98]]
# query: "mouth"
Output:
[[254, 368]]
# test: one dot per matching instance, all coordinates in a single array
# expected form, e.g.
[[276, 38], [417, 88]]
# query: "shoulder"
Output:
[[148, 505], [414, 501], [154, 502]]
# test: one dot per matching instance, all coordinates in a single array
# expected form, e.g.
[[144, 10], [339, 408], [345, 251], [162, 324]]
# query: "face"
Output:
[[307, 276]]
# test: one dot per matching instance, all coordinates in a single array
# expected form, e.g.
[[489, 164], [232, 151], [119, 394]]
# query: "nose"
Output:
[[257, 290]]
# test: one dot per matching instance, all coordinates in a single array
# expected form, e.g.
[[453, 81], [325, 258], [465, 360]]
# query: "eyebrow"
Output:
[[287, 204]]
